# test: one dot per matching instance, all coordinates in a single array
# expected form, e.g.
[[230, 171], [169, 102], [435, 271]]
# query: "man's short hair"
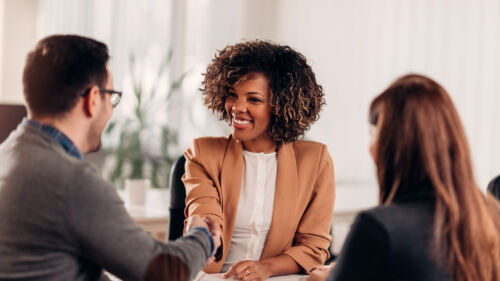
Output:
[[59, 70]]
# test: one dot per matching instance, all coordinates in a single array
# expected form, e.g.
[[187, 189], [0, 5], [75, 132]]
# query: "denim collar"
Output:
[[57, 135]]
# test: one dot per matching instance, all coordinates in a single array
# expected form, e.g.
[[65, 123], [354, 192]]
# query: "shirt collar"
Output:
[[57, 135]]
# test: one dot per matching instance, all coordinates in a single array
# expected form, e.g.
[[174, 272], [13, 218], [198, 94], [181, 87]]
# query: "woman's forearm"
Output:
[[281, 265]]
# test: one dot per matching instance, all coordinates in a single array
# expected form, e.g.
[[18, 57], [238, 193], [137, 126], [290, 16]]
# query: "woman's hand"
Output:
[[320, 273], [249, 270]]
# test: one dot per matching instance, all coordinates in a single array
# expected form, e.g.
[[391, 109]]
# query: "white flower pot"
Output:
[[136, 190]]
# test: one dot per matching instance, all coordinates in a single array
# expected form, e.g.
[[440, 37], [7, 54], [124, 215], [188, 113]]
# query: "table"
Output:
[[216, 277]]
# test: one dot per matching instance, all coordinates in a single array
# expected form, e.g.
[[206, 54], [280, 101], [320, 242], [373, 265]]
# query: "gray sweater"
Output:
[[60, 220]]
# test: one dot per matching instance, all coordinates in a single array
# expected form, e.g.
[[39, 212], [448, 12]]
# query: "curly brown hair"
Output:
[[295, 96]]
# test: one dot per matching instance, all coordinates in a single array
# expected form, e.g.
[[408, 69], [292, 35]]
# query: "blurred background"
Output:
[[160, 48]]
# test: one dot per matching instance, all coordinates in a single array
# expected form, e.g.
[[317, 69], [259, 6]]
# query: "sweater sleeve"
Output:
[[107, 236], [365, 254]]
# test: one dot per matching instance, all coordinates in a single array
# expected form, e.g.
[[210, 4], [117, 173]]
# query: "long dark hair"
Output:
[[421, 139]]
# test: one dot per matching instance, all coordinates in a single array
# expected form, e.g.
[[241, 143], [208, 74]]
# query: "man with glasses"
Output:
[[59, 219]]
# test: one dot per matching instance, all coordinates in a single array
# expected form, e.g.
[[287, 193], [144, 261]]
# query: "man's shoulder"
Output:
[[35, 157]]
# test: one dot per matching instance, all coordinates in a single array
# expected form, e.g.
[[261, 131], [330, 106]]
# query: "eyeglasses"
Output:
[[115, 95]]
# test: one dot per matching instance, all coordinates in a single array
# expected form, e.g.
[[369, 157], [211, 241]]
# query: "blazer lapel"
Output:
[[287, 186]]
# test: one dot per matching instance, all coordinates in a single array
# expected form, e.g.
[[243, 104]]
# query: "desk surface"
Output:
[[217, 277]]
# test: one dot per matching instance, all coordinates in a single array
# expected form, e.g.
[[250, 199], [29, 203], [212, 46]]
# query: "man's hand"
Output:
[[249, 270], [211, 225], [216, 231]]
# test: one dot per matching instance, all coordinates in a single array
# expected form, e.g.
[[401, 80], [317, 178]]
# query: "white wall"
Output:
[[18, 37], [358, 47]]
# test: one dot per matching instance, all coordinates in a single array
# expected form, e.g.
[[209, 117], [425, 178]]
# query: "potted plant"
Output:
[[146, 146]]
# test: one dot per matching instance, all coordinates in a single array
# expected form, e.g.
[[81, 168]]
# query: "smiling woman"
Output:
[[247, 106], [271, 193]]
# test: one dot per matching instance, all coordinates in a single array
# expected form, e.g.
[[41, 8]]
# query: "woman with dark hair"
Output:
[[271, 193], [433, 223]]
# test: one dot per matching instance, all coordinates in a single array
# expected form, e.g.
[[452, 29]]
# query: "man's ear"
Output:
[[92, 102]]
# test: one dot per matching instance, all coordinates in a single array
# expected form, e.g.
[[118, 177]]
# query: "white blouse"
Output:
[[255, 208]]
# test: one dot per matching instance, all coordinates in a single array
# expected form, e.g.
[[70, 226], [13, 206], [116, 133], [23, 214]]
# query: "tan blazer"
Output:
[[303, 203]]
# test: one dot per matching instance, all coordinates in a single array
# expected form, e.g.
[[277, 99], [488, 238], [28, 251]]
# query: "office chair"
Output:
[[177, 200], [10, 117], [494, 187]]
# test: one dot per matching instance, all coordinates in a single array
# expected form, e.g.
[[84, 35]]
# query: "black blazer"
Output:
[[392, 242], [494, 187]]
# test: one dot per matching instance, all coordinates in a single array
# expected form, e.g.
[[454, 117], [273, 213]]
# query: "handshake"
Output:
[[214, 228]]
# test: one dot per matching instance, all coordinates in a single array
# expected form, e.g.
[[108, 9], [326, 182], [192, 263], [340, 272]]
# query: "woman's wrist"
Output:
[[268, 267], [280, 265]]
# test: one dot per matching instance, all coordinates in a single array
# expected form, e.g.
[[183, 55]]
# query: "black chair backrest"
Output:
[[177, 199], [494, 187], [10, 116]]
